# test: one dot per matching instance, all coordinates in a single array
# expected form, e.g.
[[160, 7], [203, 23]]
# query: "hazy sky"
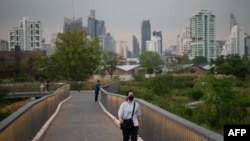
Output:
[[123, 18]]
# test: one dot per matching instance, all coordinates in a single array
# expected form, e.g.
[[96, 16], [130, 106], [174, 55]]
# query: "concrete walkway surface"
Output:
[[81, 119]]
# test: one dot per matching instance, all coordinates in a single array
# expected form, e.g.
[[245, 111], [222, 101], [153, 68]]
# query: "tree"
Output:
[[151, 61], [199, 60], [76, 56], [176, 63], [233, 65], [29, 64], [221, 104], [110, 61]]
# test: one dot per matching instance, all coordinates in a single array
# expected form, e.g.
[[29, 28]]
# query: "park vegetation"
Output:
[[223, 95], [223, 100]]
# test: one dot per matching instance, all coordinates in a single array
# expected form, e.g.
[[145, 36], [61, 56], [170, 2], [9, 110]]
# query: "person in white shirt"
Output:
[[125, 112]]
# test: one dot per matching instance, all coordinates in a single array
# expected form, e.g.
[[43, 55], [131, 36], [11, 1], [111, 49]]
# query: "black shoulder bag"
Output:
[[128, 123]]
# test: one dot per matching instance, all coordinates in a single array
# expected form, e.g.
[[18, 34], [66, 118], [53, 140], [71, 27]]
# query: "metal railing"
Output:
[[12, 88], [24, 124], [158, 124]]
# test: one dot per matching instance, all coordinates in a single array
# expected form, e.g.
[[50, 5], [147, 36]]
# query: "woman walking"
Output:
[[130, 109]]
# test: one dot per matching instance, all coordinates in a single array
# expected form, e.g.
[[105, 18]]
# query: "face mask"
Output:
[[131, 98]]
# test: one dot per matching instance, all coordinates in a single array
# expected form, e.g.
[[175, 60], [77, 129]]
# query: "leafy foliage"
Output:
[[109, 62], [223, 100], [199, 60], [139, 76], [233, 65], [151, 61], [76, 57], [176, 64]]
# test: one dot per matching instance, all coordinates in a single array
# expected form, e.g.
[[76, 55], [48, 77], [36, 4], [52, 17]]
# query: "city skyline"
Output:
[[123, 18]]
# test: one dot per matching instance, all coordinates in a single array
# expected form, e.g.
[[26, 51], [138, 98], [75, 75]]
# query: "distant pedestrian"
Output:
[[97, 89], [47, 85], [130, 109], [41, 85]]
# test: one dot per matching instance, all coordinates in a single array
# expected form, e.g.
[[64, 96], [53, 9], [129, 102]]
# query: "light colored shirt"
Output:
[[126, 109]]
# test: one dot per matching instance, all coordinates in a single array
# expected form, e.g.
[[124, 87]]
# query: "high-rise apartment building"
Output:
[[158, 35], [183, 42], [145, 34], [235, 42], [136, 47], [122, 48], [233, 21], [219, 47], [72, 24], [247, 45], [107, 43], [95, 27], [4, 46], [28, 35], [202, 35], [154, 44]]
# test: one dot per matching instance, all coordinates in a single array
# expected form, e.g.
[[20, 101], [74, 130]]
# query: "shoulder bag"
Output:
[[128, 123]]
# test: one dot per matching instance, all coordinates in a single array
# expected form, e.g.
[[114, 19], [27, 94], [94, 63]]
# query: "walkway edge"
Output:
[[115, 120], [42, 131]]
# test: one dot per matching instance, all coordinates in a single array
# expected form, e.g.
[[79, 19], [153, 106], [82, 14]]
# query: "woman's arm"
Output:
[[120, 119], [139, 120]]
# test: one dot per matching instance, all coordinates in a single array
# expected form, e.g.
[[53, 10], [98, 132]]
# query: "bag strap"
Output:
[[133, 110]]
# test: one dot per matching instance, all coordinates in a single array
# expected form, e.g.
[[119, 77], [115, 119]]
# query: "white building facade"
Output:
[[154, 45], [28, 35], [183, 42], [122, 48], [235, 43], [202, 35]]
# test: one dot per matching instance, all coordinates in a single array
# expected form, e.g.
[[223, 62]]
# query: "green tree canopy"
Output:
[[177, 63], [199, 60], [221, 100], [76, 57], [233, 65], [151, 61], [110, 61]]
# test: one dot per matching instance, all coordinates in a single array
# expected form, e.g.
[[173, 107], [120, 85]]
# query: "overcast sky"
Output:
[[123, 18]]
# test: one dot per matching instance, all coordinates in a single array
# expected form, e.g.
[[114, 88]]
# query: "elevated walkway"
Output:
[[81, 119]]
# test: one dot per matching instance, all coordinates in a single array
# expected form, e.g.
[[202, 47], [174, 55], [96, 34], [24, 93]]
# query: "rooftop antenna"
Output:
[[73, 10]]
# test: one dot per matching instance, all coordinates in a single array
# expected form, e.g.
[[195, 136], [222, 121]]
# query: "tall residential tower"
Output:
[[145, 34], [202, 35], [136, 47], [28, 35], [159, 35]]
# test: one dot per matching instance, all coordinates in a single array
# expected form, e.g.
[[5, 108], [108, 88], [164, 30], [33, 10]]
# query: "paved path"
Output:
[[82, 119]]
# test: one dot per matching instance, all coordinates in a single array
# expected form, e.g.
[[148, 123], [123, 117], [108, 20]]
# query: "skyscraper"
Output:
[[71, 24], [247, 45], [95, 27], [233, 21], [92, 26], [183, 42], [159, 35], [136, 47], [154, 44], [202, 34], [4, 45], [28, 35], [235, 42], [108, 43], [145, 34]]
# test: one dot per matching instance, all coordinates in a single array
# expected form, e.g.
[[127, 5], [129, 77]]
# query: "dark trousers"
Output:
[[133, 133], [96, 96]]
